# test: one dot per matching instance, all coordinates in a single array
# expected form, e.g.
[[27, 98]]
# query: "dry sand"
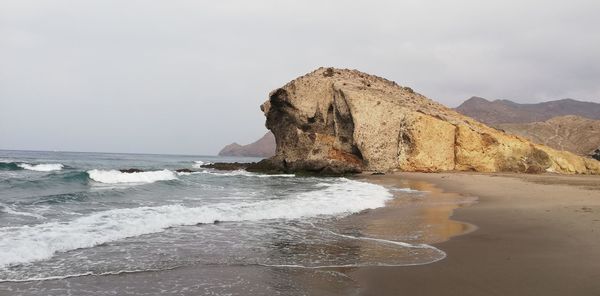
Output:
[[536, 235]]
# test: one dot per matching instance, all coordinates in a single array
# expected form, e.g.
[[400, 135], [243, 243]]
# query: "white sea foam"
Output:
[[440, 254], [88, 273], [7, 209], [199, 163], [31, 243], [186, 173], [43, 167], [115, 177], [246, 174]]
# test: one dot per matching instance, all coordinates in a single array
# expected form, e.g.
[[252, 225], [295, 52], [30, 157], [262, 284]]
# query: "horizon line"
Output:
[[102, 152]]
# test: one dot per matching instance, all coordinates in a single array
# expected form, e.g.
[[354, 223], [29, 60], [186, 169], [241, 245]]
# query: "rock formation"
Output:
[[227, 166], [596, 154], [263, 147], [505, 111], [572, 133], [340, 121]]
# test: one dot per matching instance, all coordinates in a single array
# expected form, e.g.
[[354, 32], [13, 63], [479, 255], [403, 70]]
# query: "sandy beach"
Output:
[[535, 235], [494, 234]]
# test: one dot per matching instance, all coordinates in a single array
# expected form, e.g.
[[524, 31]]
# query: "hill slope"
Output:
[[505, 111], [263, 147], [573, 133]]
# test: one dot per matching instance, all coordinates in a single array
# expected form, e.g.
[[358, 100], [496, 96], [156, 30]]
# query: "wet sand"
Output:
[[536, 235]]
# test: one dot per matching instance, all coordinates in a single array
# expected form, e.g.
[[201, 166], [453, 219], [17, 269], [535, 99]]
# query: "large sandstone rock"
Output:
[[338, 121]]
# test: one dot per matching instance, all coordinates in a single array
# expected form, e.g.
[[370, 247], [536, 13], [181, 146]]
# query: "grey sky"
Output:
[[188, 76]]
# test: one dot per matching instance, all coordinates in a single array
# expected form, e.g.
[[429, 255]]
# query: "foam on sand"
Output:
[[115, 177], [31, 243]]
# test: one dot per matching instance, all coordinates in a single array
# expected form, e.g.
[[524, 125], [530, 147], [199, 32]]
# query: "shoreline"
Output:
[[535, 235], [499, 234]]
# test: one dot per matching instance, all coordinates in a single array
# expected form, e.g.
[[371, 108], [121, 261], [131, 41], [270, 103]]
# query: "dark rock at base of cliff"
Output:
[[277, 166], [304, 167], [266, 166], [324, 167], [129, 171], [227, 166], [596, 154]]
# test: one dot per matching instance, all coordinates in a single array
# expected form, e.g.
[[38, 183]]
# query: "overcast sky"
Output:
[[189, 76]]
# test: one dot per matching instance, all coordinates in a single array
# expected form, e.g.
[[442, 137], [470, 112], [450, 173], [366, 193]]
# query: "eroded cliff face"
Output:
[[338, 121]]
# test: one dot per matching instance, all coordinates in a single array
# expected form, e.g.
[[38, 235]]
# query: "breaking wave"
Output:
[[42, 167], [115, 177], [31, 243]]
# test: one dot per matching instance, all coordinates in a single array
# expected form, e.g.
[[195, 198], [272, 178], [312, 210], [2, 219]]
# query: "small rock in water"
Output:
[[226, 166], [216, 222], [129, 171], [184, 171], [378, 173]]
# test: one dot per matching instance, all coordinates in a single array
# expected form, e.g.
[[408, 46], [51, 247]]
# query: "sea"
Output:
[[74, 224]]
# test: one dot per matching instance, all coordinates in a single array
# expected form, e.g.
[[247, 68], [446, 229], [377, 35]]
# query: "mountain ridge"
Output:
[[263, 147], [569, 132], [506, 111]]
